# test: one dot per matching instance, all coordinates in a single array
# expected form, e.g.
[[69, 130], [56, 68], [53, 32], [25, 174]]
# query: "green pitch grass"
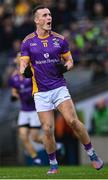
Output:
[[65, 172]]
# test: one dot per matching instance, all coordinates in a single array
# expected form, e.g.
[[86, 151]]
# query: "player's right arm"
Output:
[[12, 84], [14, 94], [25, 58], [23, 64]]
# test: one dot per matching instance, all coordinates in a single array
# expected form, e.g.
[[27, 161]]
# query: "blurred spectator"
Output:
[[6, 33], [98, 12], [8, 5], [25, 27], [79, 9], [63, 15], [15, 49], [100, 118], [83, 8], [1, 11], [11, 65], [21, 10]]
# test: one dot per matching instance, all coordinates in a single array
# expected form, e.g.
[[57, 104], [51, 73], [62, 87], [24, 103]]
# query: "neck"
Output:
[[42, 33]]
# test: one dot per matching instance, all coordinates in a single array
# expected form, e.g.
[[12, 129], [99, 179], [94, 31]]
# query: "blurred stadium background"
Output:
[[84, 23]]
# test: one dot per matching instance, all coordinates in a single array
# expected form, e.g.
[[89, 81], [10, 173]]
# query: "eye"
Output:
[[44, 15]]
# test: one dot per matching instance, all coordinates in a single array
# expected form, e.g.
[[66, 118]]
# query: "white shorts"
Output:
[[29, 119], [45, 101]]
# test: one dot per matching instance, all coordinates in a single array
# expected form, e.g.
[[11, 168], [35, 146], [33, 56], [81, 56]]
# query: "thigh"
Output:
[[23, 132], [43, 101], [23, 118], [60, 95], [47, 118], [34, 121], [67, 109]]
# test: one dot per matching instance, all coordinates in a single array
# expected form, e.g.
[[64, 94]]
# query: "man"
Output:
[[100, 118], [43, 50], [28, 121]]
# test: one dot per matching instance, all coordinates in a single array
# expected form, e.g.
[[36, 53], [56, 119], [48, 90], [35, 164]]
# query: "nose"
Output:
[[49, 17]]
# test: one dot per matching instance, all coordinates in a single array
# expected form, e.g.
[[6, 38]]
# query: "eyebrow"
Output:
[[46, 14]]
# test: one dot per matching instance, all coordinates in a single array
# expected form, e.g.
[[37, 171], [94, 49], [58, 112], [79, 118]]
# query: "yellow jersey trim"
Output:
[[26, 58], [34, 84], [43, 37], [57, 35], [30, 36], [66, 54]]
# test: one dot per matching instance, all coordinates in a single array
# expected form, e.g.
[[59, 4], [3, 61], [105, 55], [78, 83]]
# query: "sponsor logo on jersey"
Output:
[[33, 44], [46, 55], [56, 42]]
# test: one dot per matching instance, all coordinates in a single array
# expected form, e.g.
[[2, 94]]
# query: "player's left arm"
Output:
[[67, 57]]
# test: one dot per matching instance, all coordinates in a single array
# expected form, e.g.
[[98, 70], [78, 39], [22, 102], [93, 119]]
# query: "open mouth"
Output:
[[49, 23]]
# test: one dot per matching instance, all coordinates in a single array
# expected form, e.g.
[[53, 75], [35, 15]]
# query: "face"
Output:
[[43, 19]]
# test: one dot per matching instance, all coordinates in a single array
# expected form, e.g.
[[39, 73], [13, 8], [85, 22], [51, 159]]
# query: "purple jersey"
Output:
[[24, 89], [44, 54]]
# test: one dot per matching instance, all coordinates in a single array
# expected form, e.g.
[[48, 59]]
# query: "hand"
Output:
[[69, 65], [62, 69], [28, 72], [13, 98]]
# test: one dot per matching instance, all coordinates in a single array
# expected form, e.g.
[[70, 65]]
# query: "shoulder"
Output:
[[13, 78], [14, 75], [29, 37], [57, 35]]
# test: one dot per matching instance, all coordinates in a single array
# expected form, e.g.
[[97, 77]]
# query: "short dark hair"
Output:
[[37, 8]]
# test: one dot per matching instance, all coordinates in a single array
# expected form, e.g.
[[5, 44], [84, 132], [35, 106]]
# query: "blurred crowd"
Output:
[[84, 23]]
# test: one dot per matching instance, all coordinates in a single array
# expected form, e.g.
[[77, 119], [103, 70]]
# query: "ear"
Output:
[[36, 20]]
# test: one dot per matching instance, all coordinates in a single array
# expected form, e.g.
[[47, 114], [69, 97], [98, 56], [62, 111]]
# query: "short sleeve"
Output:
[[24, 48], [65, 47]]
